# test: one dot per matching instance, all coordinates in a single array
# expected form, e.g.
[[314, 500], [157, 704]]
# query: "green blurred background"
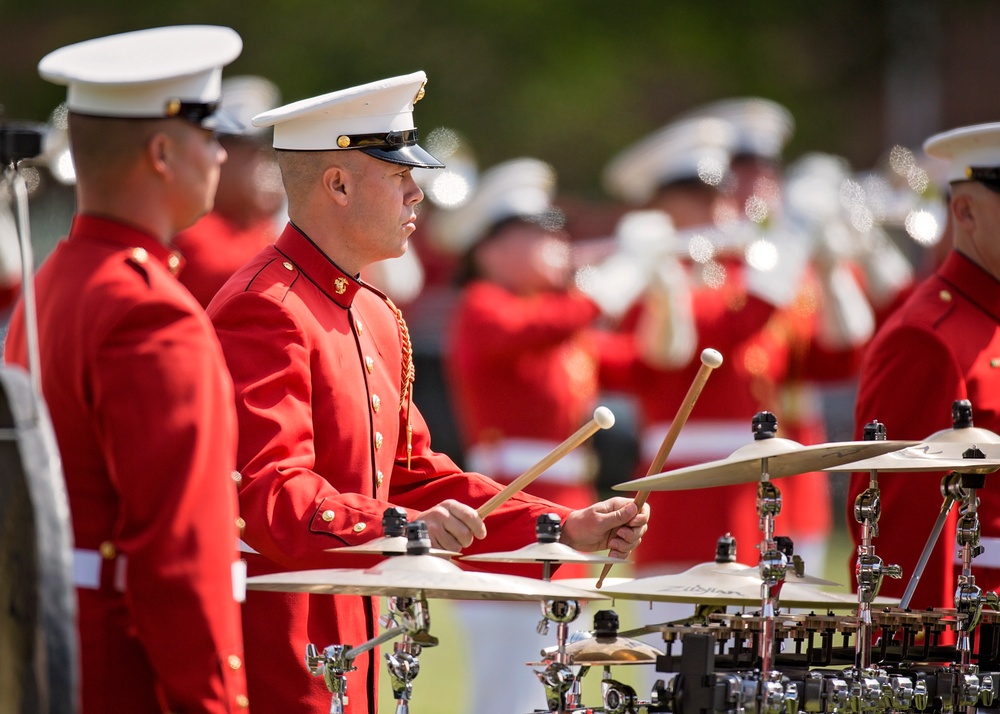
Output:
[[573, 81]]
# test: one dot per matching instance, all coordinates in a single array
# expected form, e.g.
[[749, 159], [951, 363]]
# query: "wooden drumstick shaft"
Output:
[[710, 359], [603, 419]]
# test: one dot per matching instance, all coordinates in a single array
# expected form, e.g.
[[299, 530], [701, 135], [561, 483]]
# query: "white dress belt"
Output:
[[88, 565], [699, 441], [509, 458]]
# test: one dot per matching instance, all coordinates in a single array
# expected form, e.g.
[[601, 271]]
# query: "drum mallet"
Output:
[[710, 359], [603, 419]]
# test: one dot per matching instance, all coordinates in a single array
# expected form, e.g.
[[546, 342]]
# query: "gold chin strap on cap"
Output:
[[407, 376]]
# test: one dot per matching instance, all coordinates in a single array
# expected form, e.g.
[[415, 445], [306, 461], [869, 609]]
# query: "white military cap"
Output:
[[695, 148], [762, 126], [972, 152], [161, 72], [246, 96], [376, 118], [519, 188]]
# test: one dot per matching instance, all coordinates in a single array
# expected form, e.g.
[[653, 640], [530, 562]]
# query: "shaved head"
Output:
[[104, 146]]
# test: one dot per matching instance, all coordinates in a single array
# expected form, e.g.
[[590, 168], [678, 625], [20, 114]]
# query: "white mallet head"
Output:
[[604, 417], [711, 358]]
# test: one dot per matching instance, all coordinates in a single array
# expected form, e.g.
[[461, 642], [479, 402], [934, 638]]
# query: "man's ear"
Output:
[[336, 183], [963, 211], [159, 152]]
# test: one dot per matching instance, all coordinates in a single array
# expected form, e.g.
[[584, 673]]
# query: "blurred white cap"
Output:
[[519, 188], [246, 96], [694, 148], [376, 118], [762, 126], [972, 152], [159, 72]]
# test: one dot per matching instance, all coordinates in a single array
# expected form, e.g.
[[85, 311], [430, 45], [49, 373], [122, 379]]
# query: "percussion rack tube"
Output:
[[710, 360]]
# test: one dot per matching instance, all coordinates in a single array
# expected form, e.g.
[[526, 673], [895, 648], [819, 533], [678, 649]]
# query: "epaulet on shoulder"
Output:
[[935, 304], [136, 258], [275, 277]]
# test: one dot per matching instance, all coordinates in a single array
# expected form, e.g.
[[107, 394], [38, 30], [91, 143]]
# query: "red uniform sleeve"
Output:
[[163, 409]]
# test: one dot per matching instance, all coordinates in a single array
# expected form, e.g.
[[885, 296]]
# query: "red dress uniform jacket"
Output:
[[141, 406], [943, 344], [761, 348], [523, 372], [317, 358], [214, 248]]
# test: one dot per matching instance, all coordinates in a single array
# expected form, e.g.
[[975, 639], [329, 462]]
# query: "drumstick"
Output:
[[710, 359], [603, 419]]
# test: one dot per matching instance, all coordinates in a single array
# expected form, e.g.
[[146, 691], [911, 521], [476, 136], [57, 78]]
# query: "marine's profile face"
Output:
[[195, 165]]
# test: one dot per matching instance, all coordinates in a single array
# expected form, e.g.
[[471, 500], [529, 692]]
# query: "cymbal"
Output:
[[969, 435], [388, 545], [418, 576], [784, 458], [725, 584], [931, 456], [589, 584], [600, 651], [543, 553], [752, 571]]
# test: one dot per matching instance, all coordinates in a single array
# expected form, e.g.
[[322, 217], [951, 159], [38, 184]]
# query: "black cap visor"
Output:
[[412, 155]]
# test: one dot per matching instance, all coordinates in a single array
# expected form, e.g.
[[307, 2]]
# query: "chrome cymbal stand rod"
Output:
[[402, 663], [869, 568], [952, 490], [773, 564], [562, 687]]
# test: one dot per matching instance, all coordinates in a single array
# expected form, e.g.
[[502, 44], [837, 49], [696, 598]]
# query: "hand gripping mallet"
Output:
[[710, 359]]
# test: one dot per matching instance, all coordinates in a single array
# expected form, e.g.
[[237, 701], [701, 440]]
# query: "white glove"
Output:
[[887, 271], [776, 263], [666, 335], [643, 238], [846, 317]]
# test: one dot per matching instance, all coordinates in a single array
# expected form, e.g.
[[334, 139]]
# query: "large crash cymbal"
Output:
[[726, 584], [932, 456], [587, 650], [543, 553], [418, 576], [389, 545], [784, 457]]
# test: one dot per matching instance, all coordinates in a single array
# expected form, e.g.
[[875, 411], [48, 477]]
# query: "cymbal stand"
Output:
[[402, 662], [951, 489], [869, 568], [773, 564], [562, 686], [969, 597], [337, 660]]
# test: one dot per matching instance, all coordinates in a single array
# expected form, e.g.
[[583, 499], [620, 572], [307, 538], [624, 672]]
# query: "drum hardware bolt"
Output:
[[968, 691], [920, 697], [618, 698], [986, 691]]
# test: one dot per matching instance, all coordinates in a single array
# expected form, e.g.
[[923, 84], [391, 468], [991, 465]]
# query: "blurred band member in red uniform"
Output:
[[135, 380], [249, 198], [943, 344], [523, 376], [329, 436], [753, 298]]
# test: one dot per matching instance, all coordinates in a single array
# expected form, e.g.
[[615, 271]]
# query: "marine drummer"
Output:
[[942, 344], [329, 436]]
